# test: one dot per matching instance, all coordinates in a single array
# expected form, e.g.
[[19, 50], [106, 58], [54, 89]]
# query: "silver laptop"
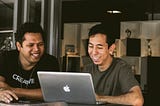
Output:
[[67, 87]]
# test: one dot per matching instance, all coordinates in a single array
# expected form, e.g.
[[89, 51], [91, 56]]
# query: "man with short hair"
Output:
[[18, 68], [113, 79]]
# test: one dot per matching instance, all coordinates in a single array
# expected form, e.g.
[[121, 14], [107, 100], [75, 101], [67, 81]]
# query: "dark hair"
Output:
[[28, 27], [102, 29]]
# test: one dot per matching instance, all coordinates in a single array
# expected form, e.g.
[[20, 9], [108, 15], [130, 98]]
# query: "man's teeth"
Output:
[[36, 55]]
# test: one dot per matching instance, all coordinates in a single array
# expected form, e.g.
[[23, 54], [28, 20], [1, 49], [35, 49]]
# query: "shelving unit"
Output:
[[71, 63], [143, 30], [138, 39], [139, 45]]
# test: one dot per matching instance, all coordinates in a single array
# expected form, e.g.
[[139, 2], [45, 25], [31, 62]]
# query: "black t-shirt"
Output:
[[116, 80], [15, 76]]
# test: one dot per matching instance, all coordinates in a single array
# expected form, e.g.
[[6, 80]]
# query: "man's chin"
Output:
[[97, 63], [35, 60]]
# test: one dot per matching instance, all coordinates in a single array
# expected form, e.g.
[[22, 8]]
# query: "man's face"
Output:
[[98, 49], [32, 48]]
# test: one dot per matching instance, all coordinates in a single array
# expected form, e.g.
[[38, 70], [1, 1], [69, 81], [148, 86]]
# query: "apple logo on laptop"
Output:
[[66, 88]]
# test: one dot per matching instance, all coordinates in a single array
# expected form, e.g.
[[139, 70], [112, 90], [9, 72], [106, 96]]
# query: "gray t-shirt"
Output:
[[116, 80]]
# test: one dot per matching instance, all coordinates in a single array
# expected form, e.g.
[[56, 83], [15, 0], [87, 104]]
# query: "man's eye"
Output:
[[30, 45], [41, 44], [90, 46]]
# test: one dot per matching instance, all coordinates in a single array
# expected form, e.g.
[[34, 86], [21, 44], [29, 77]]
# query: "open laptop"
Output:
[[67, 87]]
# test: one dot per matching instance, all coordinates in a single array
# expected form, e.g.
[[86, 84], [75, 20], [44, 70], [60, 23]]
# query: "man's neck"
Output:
[[106, 64], [26, 65]]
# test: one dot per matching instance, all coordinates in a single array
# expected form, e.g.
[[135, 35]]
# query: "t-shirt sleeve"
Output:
[[127, 78]]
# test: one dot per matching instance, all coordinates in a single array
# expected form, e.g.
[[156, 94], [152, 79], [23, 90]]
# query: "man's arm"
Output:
[[28, 93], [2, 83], [133, 97], [2, 78], [21, 92]]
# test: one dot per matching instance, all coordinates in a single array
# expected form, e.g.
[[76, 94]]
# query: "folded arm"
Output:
[[133, 97]]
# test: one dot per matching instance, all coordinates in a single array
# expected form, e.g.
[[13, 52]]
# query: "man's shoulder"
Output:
[[48, 62], [48, 56], [121, 65], [48, 59], [119, 61]]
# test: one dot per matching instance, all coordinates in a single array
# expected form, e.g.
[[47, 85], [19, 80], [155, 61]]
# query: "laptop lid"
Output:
[[67, 87]]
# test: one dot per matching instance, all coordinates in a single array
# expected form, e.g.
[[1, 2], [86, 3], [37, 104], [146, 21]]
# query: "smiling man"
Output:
[[18, 68], [113, 79]]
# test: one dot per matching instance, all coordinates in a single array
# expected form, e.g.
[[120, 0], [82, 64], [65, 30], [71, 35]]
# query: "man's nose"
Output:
[[36, 47], [94, 51]]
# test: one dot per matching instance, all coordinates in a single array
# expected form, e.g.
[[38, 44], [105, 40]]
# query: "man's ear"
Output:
[[111, 49], [18, 45]]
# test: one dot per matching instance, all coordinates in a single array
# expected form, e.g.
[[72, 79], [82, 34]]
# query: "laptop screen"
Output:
[[67, 87]]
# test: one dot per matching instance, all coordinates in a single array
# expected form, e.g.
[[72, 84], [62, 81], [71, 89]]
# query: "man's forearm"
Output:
[[134, 98], [20, 92], [28, 93]]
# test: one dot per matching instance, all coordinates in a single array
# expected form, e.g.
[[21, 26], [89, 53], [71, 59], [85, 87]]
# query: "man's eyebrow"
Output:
[[99, 45]]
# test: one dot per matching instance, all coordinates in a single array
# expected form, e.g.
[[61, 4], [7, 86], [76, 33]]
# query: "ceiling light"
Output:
[[114, 12]]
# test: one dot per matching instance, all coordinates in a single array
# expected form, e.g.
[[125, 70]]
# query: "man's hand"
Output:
[[7, 95]]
